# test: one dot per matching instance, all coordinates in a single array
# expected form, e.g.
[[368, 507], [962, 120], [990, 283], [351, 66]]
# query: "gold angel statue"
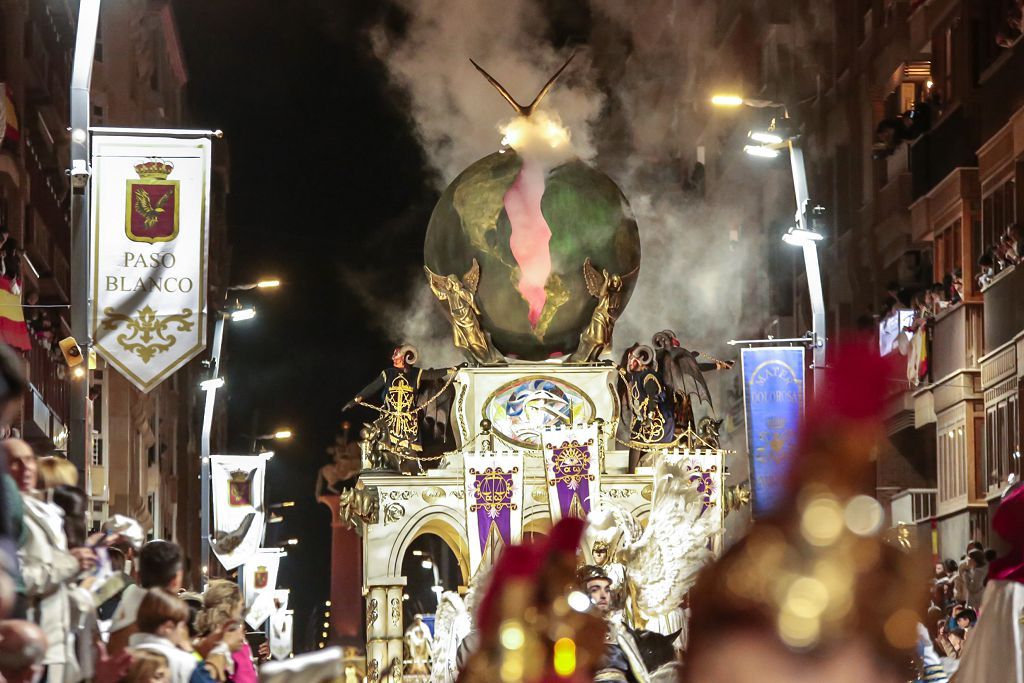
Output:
[[464, 314], [607, 288]]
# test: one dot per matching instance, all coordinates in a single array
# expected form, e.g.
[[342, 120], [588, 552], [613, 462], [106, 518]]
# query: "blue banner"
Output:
[[773, 398]]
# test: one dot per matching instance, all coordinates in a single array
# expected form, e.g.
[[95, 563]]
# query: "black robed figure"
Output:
[[395, 393]]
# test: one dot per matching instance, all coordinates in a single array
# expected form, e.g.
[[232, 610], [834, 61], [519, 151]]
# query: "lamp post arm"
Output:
[[811, 265]]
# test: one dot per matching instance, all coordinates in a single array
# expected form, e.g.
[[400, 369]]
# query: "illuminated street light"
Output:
[[243, 314], [765, 137], [726, 100], [798, 237], [784, 134], [761, 151], [282, 434], [292, 541], [212, 383], [265, 283]]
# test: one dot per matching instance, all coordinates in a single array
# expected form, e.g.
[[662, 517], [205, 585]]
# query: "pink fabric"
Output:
[[245, 672], [1008, 522]]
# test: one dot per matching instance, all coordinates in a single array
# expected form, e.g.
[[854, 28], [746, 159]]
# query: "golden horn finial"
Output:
[[521, 109]]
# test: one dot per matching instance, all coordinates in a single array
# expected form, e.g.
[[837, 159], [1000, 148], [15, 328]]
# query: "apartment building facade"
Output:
[[145, 456]]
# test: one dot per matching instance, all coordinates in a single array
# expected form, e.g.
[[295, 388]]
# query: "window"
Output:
[[1002, 443], [948, 250], [998, 210]]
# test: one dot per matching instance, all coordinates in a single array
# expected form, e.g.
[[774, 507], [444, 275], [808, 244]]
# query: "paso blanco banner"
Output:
[[238, 513], [150, 237]]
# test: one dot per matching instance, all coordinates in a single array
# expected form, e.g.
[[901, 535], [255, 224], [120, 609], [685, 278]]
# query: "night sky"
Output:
[[327, 183]]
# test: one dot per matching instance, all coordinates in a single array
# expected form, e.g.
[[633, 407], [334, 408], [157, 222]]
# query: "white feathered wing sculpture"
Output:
[[452, 623], [663, 563]]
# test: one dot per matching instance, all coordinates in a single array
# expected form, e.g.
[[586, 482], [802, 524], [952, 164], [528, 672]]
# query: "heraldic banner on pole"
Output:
[[238, 513], [150, 239], [773, 398], [281, 634], [494, 505], [572, 465], [259, 584]]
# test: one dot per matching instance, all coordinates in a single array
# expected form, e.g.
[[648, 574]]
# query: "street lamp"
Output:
[[282, 434], [210, 386], [782, 134], [266, 283], [240, 314], [80, 172]]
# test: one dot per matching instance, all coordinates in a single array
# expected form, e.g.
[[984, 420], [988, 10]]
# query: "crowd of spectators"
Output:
[[957, 590], [999, 256], [107, 606]]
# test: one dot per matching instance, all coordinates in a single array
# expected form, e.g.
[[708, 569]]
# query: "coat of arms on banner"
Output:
[[238, 513], [153, 203], [260, 578], [494, 504], [240, 488], [150, 213], [573, 465]]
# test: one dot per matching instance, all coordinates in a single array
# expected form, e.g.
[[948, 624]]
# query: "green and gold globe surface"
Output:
[[588, 217]]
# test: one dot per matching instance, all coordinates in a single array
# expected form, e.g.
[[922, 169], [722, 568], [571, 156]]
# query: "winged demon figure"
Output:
[[607, 289], [464, 314], [683, 376]]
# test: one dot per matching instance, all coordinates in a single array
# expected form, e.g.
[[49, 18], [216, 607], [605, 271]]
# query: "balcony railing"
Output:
[[1004, 308], [42, 373], [940, 151], [957, 340], [913, 506]]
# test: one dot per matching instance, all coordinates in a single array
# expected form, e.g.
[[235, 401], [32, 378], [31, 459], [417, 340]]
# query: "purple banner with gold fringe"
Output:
[[494, 504], [572, 462]]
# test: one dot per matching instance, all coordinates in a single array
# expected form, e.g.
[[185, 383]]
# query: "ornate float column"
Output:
[[396, 634], [384, 634]]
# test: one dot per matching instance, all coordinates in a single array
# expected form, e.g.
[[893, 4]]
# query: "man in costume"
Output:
[[622, 660], [397, 391], [995, 651], [646, 418]]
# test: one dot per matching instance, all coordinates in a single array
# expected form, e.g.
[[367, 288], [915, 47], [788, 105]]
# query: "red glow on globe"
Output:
[[530, 236]]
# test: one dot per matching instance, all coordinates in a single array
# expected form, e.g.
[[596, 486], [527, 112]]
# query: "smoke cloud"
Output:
[[632, 104]]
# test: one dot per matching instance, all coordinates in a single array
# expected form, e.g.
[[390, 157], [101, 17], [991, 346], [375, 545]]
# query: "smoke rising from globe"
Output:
[[631, 102]]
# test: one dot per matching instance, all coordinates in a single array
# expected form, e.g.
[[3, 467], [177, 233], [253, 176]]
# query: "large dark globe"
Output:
[[588, 217]]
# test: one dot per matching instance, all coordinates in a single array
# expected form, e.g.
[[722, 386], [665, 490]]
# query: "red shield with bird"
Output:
[[152, 211]]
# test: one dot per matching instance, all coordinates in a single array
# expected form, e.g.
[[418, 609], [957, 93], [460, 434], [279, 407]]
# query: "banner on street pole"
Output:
[[773, 397], [573, 468], [494, 504], [281, 634], [238, 511], [259, 585], [150, 239]]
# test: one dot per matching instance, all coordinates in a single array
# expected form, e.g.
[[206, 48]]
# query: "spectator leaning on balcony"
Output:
[[48, 567]]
